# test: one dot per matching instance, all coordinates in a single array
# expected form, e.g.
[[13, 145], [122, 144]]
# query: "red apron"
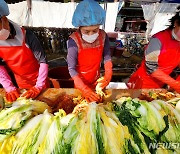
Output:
[[168, 60], [89, 61], [22, 63]]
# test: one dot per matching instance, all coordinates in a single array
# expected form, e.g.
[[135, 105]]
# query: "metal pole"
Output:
[[105, 8], [29, 4]]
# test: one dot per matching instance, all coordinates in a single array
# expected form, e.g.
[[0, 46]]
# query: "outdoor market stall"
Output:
[[133, 121]]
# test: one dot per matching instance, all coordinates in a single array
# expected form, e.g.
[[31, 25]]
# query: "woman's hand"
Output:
[[12, 95], [32, 92]]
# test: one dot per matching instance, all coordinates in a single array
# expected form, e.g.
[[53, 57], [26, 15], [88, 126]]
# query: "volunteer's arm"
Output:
[[107, 64], [12, 92], [34, 44]]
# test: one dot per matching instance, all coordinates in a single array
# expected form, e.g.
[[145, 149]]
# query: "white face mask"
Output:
[[4, 34], [90, 38]]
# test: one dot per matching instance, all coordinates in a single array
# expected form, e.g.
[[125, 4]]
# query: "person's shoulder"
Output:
[[73, 34], [29, 32], [102, 31], [30, 35], [162, 33], [71, 43]]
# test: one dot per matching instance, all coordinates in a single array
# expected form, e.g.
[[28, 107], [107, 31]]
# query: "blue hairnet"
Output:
[[4, 10], [88, 13]]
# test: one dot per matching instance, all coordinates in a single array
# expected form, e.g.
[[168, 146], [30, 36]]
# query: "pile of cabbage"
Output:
[[122, 126]]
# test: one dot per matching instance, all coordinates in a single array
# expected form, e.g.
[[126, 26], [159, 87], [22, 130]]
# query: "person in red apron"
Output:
[[86, 48], [22, 53], [162, 56]]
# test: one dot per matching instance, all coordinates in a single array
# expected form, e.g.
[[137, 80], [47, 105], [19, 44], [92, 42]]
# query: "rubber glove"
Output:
[[11, 91], [108, 75], [32, 93], [13, 95], [87, 92], [165, 78], [40, 83]]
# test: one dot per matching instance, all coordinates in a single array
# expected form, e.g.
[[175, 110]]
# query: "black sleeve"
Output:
[[2, 62], [106, 52], [35, 46]]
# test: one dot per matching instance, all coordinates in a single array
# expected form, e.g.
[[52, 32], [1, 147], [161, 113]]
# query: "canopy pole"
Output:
[[29, 4]]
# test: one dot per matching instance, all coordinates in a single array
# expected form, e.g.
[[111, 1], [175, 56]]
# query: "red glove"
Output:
[[90, 95], [87, 92], [108, 75], [165, 78], [176, 86], [32, 93], [13, 95]]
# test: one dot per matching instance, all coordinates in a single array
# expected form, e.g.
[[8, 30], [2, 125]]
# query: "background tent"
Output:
[[171, 1], [55, 14], [157, 16]]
